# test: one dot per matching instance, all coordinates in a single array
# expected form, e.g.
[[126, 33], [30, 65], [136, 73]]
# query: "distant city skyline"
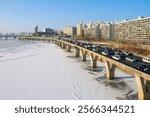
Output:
[[23, 15]]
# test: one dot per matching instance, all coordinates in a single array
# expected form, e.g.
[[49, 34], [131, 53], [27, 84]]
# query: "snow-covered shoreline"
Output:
[[44, 71]]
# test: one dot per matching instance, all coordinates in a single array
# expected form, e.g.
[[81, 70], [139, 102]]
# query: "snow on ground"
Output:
[[44, 71]]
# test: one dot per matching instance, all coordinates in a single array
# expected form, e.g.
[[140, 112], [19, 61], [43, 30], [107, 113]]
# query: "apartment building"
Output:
[[126, 29], [70, 31], [133, 29], [48, 30], [36, 29], [80, 29], [99, 30], [92, 32], [106, 30]]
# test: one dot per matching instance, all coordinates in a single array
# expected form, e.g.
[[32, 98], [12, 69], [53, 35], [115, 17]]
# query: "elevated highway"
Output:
[[6, 36], [142, 78]]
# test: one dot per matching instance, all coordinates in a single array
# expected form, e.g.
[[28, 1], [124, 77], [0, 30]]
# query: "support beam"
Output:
[[60, 44], [143, 88], [63, 45], [84, 53], [110, 70], [57, 43], [77, 51], [54, 41], [68, 48], [93, 60]]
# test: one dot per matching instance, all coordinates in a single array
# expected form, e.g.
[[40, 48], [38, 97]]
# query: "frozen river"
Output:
[[44, 71]]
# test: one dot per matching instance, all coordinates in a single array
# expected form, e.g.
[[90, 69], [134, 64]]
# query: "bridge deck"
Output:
[[143, 87]]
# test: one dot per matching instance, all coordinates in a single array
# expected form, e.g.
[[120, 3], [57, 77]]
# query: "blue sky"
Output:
[[24, 15]]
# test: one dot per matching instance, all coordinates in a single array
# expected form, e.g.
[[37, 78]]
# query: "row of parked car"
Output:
[[116, 54]]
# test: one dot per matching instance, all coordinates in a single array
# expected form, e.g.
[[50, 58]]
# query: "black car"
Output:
[[96, 49], [108, 49], [143, 67], [119, 52]]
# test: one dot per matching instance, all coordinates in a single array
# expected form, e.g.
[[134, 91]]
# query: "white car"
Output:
[[147, 60], [127, 53], [116, 57], [131, 59], [107, 52]]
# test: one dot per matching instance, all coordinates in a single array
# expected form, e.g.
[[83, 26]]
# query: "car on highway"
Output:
[[117, 57], [127, 53], [143, 67], [130, 58], [81, 44], [108, 49], [118, 52], [96, 49], [88, 46], [74, 41], [107, 52], [145, 59]]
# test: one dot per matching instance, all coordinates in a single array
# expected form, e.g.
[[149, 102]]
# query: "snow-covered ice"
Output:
[[44, 71]]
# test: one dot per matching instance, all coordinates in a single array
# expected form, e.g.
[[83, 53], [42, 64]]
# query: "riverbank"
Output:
[[44, 71]]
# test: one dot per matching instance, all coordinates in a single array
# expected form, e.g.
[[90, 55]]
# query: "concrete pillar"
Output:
[[143, 88], [54, 41], [93, 60], [63, 45], [57, 43], [68, 48], [110, 70], [77, 51], [84, 53], [60, 44]]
